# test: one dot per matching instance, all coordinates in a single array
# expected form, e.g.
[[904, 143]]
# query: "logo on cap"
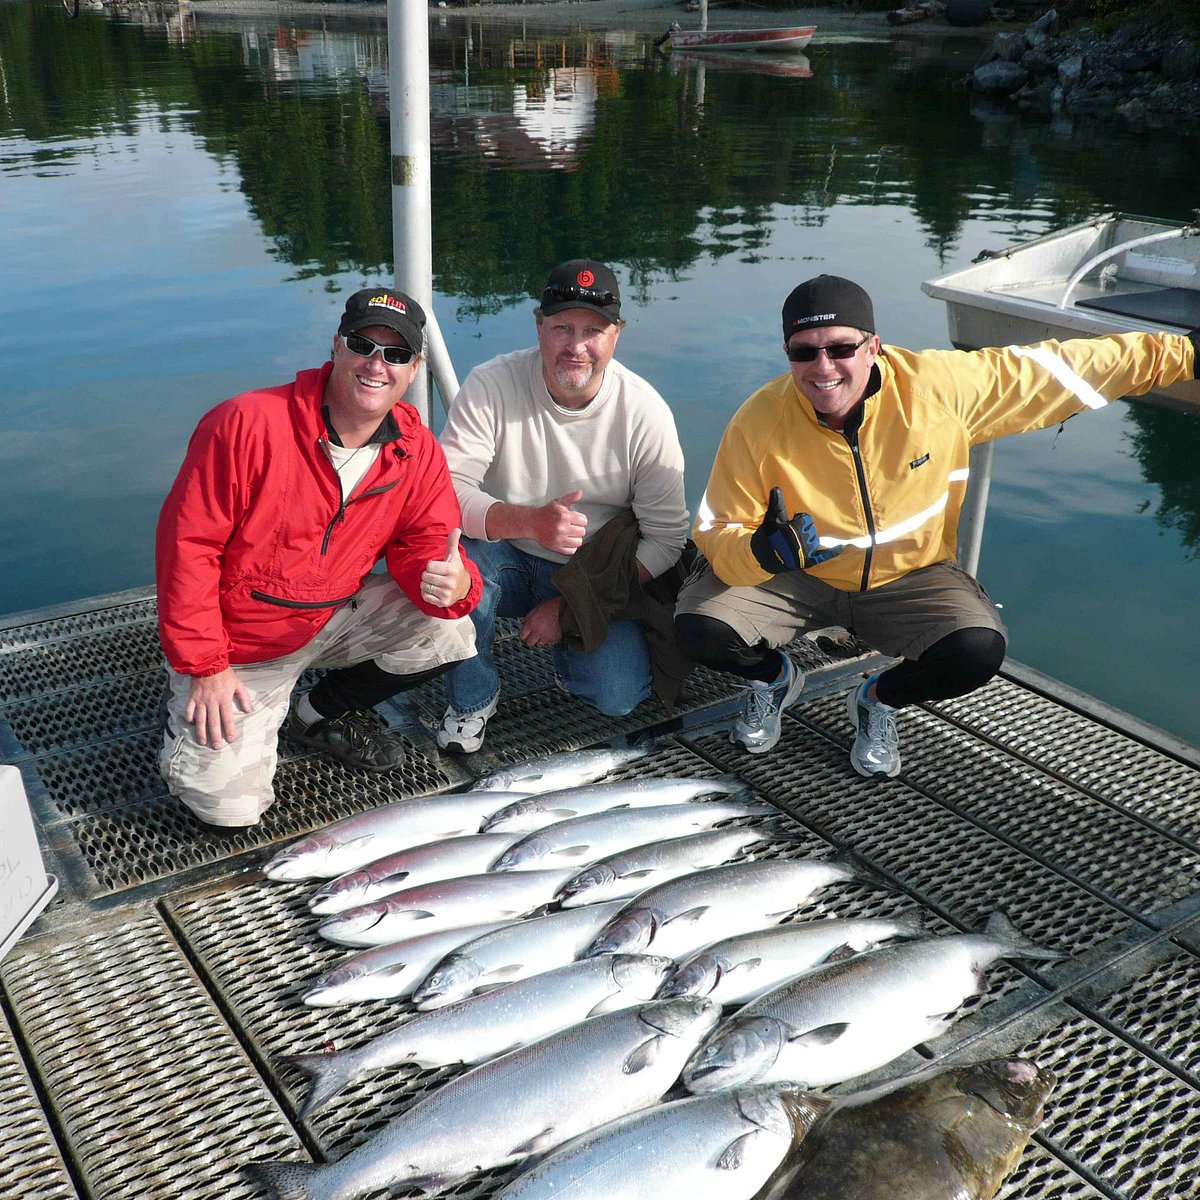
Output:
[[814, 317], [585, 278], [384, 301]]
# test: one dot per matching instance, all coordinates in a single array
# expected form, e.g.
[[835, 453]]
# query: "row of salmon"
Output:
[[594, 1012]]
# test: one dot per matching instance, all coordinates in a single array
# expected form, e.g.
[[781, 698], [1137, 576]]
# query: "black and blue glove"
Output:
[[783, 543]]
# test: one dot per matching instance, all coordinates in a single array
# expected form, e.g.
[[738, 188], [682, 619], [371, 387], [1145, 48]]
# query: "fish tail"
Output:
[[328, 1074], [911, 923], [731, 783], [860, 870], [1016, 943], [285, 1180]]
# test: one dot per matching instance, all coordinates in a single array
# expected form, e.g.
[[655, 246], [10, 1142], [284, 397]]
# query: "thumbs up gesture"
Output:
[[557, 526], [445, 581]]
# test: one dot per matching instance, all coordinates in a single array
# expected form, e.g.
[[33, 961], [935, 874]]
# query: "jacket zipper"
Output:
[[852, 442], [266, 599], [340, 515]]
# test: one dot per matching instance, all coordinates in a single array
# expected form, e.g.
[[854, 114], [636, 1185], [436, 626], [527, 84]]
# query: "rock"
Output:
[[1042, 30], [999, 78], [1130, 62], [1134, 111], [1037, 62], [1070, 71], [1181, 61], [1010, 47]]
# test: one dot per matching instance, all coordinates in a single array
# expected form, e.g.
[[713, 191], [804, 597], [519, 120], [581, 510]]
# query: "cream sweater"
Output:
[[507, 440]]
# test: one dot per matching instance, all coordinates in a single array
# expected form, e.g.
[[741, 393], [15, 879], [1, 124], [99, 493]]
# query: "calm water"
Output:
[[186, 203]]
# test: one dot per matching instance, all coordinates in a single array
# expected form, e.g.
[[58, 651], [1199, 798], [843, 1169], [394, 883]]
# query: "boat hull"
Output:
[[1014, 297], [794, 37]]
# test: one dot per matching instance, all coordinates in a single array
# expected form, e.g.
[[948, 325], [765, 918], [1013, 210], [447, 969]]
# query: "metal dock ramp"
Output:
[[142, 1016]]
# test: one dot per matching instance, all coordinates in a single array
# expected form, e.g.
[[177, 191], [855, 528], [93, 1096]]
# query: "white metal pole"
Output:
[[412, 228], [970, 523]]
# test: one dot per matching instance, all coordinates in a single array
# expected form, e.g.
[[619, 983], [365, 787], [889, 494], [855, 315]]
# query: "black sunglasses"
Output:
[[563, 295], [396, 356], [837, 350]]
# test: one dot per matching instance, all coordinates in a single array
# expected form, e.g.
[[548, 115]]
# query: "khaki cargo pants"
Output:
[[232, 785]]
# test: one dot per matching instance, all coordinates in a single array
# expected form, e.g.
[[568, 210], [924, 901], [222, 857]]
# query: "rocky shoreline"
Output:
[[1147, 74]]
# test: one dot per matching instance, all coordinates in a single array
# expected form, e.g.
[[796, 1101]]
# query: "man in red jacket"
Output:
[[266, 543]]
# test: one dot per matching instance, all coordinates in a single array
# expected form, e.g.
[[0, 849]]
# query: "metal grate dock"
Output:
[[144, 1016]]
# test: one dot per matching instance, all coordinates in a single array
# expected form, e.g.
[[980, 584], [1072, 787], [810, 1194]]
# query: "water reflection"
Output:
[[185, 165]]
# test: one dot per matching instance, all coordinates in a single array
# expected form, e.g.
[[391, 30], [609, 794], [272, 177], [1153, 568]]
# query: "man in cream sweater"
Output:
[[545, 446]]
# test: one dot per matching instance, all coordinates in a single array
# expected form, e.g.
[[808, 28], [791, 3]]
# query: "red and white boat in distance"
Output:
[[792, 37]]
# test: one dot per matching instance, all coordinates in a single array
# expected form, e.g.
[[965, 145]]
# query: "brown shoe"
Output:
[[359, 739]]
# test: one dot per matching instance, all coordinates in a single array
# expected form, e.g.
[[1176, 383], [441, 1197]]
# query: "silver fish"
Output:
[[484, 1026], [720, 1147], [421, 864], [738, 969], [534, 812], [678, 917], [523, 1103], [846, 1018], [582, 840], [517, 951], [556, 771], [639, 868], [362, 838], [491, 896], [390, 972]]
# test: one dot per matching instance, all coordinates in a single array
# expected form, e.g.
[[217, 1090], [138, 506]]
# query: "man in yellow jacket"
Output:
[[834, 501]]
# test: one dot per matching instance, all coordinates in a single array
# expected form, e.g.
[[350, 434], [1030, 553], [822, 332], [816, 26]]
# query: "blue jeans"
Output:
[[614, 678]]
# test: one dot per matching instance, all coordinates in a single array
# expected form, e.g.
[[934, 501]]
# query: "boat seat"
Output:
[[1161, 306]]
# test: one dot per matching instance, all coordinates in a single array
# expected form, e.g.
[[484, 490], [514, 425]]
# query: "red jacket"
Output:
[[255, 550]]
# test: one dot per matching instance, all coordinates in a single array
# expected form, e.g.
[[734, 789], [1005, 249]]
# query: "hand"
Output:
[[210, 707], [556, 527], [446, 582], [783, 543], [541, 626]]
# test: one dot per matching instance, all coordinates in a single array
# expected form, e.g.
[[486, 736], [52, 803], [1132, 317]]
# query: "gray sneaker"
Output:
[[876, 749], [759, 726], [464, 732]]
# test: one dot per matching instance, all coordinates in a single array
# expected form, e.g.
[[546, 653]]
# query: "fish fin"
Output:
[[733, 1154], [363, 840], [284, 1180], [913, 923], [576, 852], [638, 874], [822, 1035], [503, 974], [840, 953], [861, 871], [747, 964], [561, 814], [1017, 945], [688, 918], [418, 914], [540, 1142], [392, 971], [644, 1056], [393, 877], [328, 1074]]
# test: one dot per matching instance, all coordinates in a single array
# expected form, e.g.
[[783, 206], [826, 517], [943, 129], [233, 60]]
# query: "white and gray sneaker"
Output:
[[876, 749], [760, 723], [463, 732]]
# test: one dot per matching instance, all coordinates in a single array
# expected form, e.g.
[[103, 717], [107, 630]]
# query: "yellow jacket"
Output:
[[892, 489]]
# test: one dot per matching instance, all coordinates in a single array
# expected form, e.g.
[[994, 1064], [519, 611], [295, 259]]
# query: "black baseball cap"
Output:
[[582, 283], [383, 306], [827, 300]]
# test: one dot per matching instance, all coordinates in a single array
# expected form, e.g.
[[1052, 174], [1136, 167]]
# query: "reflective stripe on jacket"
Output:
[[892, 490]]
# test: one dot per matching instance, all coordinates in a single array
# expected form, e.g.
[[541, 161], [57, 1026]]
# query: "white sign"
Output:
[[25, 888]]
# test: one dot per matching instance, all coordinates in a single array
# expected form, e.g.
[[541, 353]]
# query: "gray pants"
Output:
[[232, 785]]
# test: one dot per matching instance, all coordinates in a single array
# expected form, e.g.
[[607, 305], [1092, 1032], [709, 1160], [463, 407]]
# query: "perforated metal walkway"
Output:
[[143, 1015]]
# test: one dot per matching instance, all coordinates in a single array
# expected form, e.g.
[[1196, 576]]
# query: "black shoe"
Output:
[[223, 832], [359, 739]]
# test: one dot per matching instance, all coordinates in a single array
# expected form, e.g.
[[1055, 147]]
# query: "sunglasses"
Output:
[[837, 350], [395, 356], [569, 292]]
